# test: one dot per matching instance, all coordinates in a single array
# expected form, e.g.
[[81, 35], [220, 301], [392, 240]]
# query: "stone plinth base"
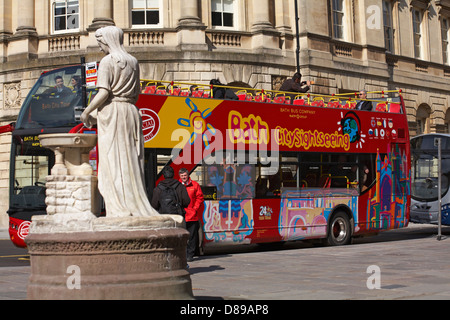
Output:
[[72, 195], [142, 263]]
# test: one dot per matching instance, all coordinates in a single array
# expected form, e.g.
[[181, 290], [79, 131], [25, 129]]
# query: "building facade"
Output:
[[345, 46]]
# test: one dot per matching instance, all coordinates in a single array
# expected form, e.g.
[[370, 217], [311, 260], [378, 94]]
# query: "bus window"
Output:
[[313, 174], [425, 176], [269, 180], [367, 165], [271, 176], [424, 186], [343, 171], [55, 92], [162, 160], [335, 171], [31, 167], [229, 179], [289, 170], [30, 171], [197, 175]]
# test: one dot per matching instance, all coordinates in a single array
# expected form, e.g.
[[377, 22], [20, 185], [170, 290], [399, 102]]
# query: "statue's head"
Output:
[[110, 39]]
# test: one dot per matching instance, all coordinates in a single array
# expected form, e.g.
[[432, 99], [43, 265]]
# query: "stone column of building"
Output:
[[191, 30], [370, 32], [282, 16], [283, 23], [261, 18], [103, 15], [23, 44], [25, 19], [264, 34], [190, 14], [5, 27], [283, 11]]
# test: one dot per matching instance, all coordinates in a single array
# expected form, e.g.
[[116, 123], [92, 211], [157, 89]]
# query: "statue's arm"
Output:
[[99, 99]]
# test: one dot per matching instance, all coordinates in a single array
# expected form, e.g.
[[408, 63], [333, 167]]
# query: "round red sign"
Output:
[[24, 229], [150, 124]]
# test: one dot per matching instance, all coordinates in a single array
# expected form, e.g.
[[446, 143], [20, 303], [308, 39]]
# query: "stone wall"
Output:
[[72, 195]]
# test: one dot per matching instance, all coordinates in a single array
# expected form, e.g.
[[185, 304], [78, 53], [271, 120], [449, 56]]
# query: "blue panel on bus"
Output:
[[445, 219]]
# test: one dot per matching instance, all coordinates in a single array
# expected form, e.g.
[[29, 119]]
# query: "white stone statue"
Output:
[[119, 125]]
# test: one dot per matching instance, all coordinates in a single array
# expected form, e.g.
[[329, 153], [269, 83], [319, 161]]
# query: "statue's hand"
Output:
[[84, 118], [87, 119]]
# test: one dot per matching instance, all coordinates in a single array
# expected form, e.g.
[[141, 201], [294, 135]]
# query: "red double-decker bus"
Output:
[[272, 167]]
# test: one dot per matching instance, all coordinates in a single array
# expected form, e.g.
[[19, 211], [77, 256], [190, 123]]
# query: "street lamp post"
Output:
[[438, 143], [297, 53]]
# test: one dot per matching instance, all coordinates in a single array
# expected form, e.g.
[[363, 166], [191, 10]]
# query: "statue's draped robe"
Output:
[[120, 141]]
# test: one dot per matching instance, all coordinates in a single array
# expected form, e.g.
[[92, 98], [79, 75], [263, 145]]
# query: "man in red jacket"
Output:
[[193, 211]]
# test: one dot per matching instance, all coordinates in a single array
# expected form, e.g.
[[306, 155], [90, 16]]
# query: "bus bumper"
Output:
[[18, 230], [429, 217]]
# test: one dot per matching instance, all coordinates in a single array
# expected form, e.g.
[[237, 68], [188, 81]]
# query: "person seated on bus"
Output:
[[76, 84], [352, 177], [222, 93], [365, 181], [60, 88], [363, 104], [193, 89], [274, 185], [295, 84]]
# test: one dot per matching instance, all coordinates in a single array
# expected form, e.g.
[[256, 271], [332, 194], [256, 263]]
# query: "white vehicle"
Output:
[[424, 184]]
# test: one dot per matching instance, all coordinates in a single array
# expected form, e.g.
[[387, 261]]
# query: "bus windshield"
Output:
[[424, 185], [57, 91], [31, 165]]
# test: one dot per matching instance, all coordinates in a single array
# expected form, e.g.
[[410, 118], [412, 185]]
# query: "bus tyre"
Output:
[[339, 230]]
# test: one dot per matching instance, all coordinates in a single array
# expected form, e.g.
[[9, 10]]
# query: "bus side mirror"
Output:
[[436, 142]]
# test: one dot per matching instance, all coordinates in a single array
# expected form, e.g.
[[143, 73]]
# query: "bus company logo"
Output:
[[350, 125], [150, 124], [265, 213], [24, 229], [248, 130], [197, 122]]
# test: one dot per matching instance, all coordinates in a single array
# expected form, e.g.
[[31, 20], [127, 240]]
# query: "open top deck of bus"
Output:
[[382, 101]]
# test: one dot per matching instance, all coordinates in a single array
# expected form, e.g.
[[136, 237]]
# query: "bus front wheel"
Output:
[[339, 230]]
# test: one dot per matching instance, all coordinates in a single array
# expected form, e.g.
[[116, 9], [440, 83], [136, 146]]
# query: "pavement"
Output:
[[401, 264], [412, 264], [13, 279], [4, 234]]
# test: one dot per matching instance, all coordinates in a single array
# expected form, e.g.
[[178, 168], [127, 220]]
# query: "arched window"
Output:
[[423, 119]]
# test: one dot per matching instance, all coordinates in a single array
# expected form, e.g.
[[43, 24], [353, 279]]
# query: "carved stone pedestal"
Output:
[[126, 259], [75, 255]]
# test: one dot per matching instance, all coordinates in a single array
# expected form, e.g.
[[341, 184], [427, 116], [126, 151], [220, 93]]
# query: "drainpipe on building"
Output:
[[297, 53]]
